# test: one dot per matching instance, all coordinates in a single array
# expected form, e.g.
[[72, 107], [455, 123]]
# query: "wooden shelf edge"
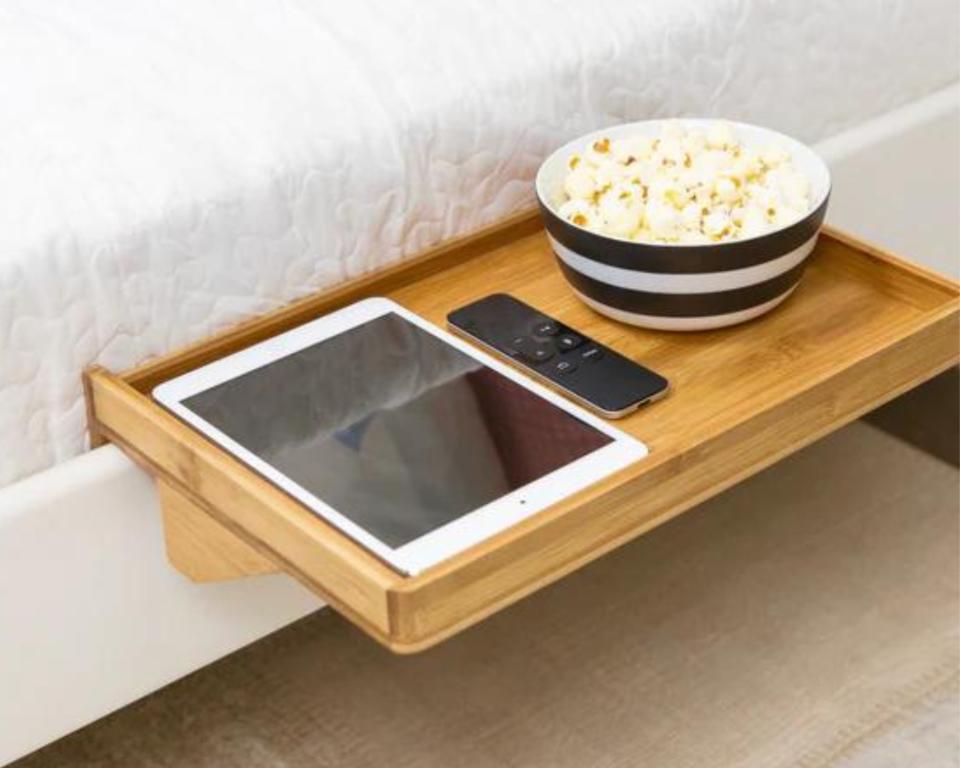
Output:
[[351, 580], [667, 490], [879, 253], [215, 505]]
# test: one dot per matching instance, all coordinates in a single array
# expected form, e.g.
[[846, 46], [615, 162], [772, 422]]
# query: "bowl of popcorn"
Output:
[[683, 224]]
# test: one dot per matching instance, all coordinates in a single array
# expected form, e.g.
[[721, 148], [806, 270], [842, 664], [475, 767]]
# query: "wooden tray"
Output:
[[862, 327]]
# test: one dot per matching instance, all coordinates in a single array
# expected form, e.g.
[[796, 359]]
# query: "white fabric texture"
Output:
[[169, 168]]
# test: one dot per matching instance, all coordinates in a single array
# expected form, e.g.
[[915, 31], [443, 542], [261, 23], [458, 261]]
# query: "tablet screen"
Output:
[[394, 428]]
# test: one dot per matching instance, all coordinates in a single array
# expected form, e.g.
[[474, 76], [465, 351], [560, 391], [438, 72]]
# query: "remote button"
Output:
[[568, 341], [516, 346], [545, 328], [564, 366], [591, 354], [538, 354]]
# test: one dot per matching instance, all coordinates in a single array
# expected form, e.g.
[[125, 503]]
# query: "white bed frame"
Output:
[[92, 617]]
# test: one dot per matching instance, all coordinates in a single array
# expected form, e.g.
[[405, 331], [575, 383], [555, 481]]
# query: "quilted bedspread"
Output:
[[169, 168]]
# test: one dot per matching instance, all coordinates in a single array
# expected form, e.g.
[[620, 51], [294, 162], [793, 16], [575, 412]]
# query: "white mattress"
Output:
[[167, 169]]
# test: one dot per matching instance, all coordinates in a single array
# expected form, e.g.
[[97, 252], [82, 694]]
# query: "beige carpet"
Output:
[[808, 618]]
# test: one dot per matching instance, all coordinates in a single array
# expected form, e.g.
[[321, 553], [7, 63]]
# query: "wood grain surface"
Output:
[[201, 548], [862, 327]]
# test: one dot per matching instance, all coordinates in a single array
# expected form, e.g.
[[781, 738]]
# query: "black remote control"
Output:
[[594, 375]]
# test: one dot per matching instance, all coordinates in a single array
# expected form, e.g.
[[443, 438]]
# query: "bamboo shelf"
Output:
[[863, 327]]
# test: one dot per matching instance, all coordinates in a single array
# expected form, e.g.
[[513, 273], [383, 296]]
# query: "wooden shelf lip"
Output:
[[863, 327]]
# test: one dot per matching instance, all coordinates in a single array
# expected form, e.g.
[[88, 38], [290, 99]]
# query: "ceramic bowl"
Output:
[[683, 287]]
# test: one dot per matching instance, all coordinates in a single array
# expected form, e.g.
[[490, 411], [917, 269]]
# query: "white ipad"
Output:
[[404, 437]]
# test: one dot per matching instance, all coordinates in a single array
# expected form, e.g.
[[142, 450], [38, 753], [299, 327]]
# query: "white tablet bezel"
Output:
[[453, 537]]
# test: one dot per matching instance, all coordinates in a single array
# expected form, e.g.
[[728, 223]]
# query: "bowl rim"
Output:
[[794, 145]]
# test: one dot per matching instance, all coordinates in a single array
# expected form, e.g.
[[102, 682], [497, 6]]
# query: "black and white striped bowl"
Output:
[[683, 287]]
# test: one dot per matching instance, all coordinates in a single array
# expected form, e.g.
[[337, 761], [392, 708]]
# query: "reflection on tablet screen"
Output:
[[394, 428]]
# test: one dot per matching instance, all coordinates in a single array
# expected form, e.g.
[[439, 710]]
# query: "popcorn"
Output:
[[794, 188], [580, 184], [607, 175], [669, 191], [663, 220], [690, 216], [670, 152], [579, 212], [752, 222], [694, 143], [726, 190], [621, 212], [683, 187], [712, 162], [628, 151], [598, 153], [748, 166], [717, 223], [785, 216], [772, 156]]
